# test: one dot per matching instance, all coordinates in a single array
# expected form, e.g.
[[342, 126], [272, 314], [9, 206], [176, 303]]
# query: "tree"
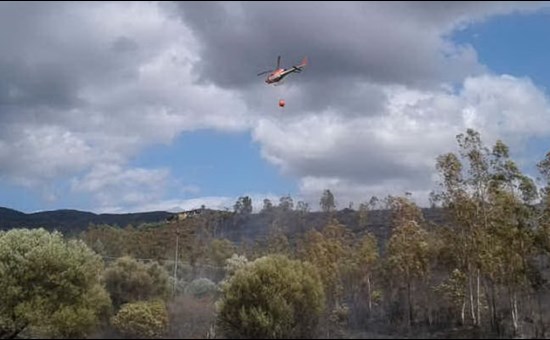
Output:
[[233, 264], [491, 237], [330, 251], [465, 198], [195, 236], [302, 207], [373, 202], [363, 215], [201, 288], [327, 202], [408, 249], [544, 169], [543, 236], [128, 280], [303, 212], [106, 240], [272, 297], [276, 243], [366, 256], [460, 239], [286, 204], [49, 287], [268, 206], [142, 320], [452, 290], [510, 233], [220, 251], [243, 205], [544, 226]]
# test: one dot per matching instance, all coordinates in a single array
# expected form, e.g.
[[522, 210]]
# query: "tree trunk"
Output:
[[471, 296], [514, 311], [540, 333], [495, 324], [369, 297], [12, 334], [428, 302], [478, 307], [463, 312], [489, 295], [409, 298]]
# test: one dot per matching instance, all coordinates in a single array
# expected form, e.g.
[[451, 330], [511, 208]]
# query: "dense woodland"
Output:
[[479, 271]]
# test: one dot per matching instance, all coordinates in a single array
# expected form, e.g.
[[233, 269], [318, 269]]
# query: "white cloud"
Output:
[[177, 205], [36, 154], [111, 185], [394, 152], [85, 87], [382, 42], [346, 191], [114, 78]]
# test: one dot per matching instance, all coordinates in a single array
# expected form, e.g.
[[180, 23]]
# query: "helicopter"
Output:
[[275, 76]]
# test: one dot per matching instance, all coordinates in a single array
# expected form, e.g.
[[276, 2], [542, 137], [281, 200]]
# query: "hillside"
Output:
[[71, 221], [235, 227]]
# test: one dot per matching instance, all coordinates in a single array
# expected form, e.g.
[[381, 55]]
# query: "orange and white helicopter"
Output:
[[275, 76]]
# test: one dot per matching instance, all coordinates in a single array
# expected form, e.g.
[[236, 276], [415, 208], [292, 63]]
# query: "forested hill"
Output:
[[69, 221], [234, 227]]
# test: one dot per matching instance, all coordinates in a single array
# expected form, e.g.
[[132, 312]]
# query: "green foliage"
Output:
[[272, 297], [128, 280], [544, 228], [276, 243], [338, 321], [408, 251], [234, 263], [49, 287], [201, 288], [453, 289], [404, 211], [367, 252], [330, 251], [179, 287], [106, 240], [220, 251], [155, 242], [142, 320], [492, 236]]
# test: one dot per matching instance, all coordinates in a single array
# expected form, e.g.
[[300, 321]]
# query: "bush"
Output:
[[272, 297], [201, 288], [128, 280], [49, 287], [143, 320]]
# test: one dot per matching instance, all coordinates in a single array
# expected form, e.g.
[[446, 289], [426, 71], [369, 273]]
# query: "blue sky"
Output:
[[111, 107], [513, 44], [213, 164], [517, 45], [217, 163]]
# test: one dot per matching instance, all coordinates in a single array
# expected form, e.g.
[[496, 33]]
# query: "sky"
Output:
[[144, 106]]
